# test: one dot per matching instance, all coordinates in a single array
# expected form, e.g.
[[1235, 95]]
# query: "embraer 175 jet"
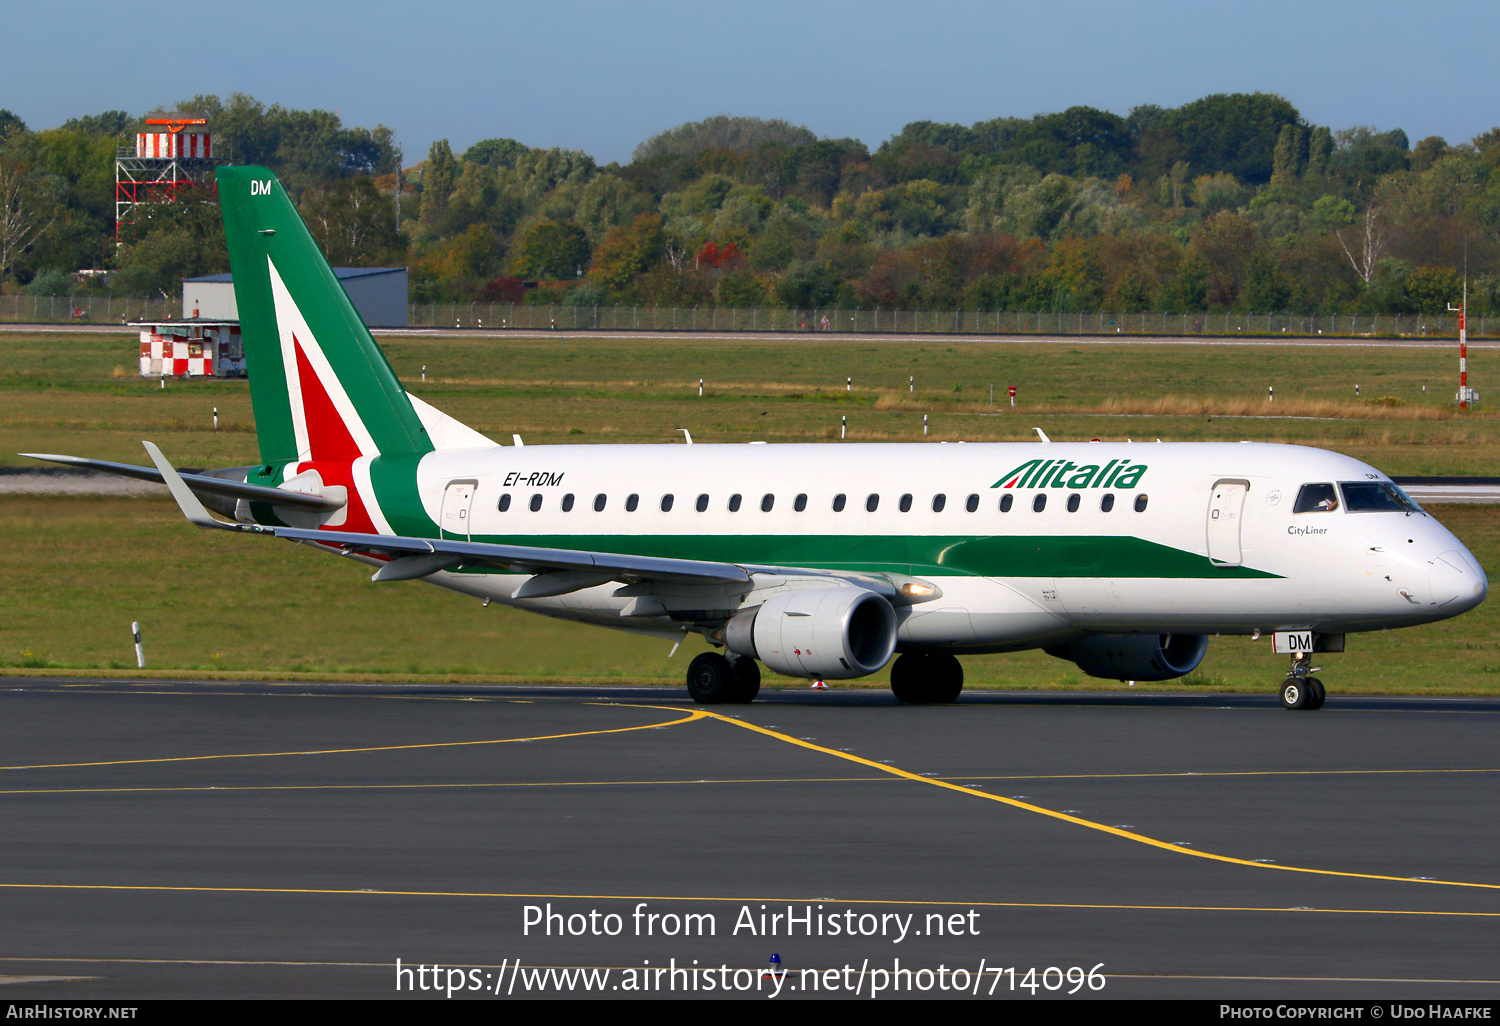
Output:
[[820, 561]]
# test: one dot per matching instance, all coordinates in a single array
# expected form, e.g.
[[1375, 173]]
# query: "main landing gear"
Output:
[[713, 680], [1301, 691], [927, 678]]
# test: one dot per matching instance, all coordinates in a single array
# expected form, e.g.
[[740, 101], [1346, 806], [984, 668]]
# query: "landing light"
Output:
[[912, 589]]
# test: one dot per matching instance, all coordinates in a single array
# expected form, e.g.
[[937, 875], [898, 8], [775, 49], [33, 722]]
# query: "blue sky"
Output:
[[601, 77]]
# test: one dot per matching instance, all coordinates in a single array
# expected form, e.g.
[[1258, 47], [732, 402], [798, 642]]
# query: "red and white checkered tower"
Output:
[[172, 155]]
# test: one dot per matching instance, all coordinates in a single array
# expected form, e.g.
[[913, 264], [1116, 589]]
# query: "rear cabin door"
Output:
[[457, 499], [1224, 511]]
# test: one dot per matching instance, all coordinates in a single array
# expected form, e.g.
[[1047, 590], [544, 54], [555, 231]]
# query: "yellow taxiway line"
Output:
[[692, 715], [1088, 824]]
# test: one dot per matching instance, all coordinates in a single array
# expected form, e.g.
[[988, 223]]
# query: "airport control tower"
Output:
[[174, 153]]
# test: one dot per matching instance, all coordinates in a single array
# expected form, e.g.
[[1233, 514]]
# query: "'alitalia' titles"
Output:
[[1064, 474]]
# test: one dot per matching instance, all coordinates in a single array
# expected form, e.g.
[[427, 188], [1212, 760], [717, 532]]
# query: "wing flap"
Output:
[[527, 559]]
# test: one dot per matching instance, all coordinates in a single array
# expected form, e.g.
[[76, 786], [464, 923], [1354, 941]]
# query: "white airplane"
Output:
[[820, 561]]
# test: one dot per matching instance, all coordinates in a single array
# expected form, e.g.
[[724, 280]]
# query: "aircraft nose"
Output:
[[1456, 577]]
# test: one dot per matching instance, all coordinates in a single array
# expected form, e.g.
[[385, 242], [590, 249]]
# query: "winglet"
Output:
[[186, 500]]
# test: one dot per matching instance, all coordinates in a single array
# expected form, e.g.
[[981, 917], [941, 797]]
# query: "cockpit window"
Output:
[[1316, 498], [1376, 497]]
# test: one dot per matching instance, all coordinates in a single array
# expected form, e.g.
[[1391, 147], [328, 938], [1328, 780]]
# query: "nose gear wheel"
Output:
[[1300, 691]]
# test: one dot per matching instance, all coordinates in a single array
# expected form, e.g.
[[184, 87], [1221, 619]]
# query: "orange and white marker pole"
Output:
[[1463, 349], [1463, 357]]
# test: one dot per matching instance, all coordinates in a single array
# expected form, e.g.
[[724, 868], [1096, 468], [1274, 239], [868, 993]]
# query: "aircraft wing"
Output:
[[561, 570], [409, 558], [555, 571]]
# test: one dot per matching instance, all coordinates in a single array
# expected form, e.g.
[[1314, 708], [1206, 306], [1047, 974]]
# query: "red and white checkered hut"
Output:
[[191, 349]]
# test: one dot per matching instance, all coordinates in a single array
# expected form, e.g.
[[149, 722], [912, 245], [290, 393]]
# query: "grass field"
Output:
[[80, 570], [80, 395], [232, 605]]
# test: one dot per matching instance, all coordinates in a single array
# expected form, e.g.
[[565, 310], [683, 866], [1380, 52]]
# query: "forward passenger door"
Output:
[[1225, 509]]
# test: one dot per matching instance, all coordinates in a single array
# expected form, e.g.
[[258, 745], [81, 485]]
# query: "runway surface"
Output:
[[249, 839], [1488, 493]]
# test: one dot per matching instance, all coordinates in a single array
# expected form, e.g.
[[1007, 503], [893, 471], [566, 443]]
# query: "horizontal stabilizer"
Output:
[[199, 483]]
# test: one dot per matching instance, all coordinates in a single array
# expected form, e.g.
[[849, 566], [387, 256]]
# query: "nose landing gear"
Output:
[[1301, 691]]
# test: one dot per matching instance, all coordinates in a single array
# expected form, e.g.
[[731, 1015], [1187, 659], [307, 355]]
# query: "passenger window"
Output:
[[766, 502], [800, 503], [1073, 501], [872, 503], [938, 502], [631, 502], [599, 501], [702, 504], [1006, 502], [838, 502], [734, 503], [1039, 503], [1140, 503], [505, 502], [906, 503], [1107, 502], [567, 503], [536, 502], [666, 503], [972, 503], [1316, 498]]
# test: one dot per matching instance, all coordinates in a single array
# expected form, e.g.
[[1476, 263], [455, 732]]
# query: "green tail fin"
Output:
[[321, 387]]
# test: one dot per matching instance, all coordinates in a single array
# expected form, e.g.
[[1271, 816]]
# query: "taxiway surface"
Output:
[[197, 839]]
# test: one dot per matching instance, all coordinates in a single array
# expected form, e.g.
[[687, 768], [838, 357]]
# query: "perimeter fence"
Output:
[[87, 309], [94, 309], [926, 322]]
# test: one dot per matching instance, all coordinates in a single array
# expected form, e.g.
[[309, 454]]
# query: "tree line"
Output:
[[1229, 203]]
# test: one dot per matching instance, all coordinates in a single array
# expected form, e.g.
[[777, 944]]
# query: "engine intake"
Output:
[[1145, 657], [826, 633]]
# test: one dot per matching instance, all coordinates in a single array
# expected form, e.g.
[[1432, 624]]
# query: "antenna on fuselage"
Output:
[[1041, 434]]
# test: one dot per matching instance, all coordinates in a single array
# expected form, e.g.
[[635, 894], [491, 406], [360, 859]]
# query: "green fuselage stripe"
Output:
[[1010, 556]]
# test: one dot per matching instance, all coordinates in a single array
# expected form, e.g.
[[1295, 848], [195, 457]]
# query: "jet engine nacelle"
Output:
[[1135, 656], [825, 633]]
